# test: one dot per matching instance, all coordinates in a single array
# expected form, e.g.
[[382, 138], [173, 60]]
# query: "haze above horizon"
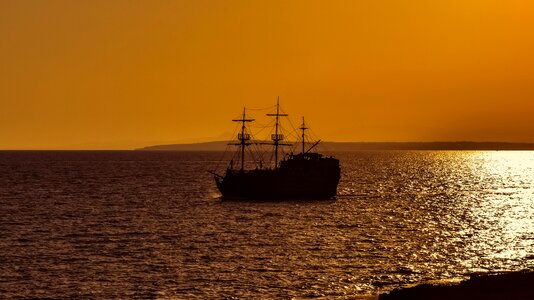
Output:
[[127, 74]]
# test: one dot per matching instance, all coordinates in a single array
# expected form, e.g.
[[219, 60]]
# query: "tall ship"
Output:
[[302, 175]]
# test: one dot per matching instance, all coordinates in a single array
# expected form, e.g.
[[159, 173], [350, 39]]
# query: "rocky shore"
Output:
[[509, 285]]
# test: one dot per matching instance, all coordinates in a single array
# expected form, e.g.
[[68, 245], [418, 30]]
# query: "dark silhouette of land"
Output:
[[358, 146], [513, 285]]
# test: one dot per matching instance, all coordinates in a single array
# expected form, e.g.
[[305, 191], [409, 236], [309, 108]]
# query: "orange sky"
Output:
[[123, 74]]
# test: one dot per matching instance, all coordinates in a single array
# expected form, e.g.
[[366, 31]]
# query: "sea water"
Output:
[[126, 224]]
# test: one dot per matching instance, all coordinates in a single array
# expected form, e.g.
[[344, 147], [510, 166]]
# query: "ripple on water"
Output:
[[150, 225]]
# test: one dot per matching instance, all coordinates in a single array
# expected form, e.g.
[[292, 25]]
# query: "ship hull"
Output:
[[301, 180]]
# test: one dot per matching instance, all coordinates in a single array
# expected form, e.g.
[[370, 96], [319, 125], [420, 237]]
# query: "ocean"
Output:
[[129, 224]]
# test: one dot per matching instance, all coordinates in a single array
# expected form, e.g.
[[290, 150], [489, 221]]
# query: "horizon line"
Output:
[[222, 141]]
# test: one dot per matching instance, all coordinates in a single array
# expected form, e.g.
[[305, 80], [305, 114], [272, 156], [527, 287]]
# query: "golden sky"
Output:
[[93, 74]]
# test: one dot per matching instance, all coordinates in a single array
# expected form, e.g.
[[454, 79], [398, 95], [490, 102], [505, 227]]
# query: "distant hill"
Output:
[[207, 146], [357, 146]]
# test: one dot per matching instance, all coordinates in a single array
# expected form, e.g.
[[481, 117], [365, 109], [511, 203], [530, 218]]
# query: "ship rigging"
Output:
[[304, 175]]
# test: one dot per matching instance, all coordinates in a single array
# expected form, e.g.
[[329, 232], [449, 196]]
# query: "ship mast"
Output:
[[243, 137], [276, 137], [303, 128]]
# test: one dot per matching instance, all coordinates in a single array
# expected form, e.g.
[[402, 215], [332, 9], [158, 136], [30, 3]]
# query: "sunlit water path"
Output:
[[141, 224]]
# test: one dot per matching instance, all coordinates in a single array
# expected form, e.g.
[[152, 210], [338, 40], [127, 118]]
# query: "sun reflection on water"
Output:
[[502, 225]]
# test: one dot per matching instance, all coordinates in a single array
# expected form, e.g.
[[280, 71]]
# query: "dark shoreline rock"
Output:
[[507, 285]]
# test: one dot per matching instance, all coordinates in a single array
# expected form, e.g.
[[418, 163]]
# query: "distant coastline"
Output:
[[359, 146]]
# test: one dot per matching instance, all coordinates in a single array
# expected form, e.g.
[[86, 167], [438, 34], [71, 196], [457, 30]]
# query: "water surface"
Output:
[[150, 225]]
